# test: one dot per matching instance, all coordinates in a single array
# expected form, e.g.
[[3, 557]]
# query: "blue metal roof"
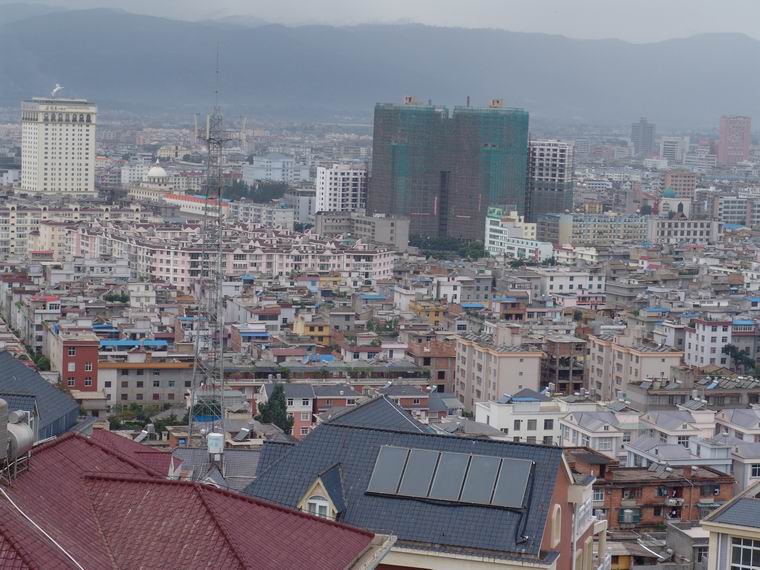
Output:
[[371, 297], [255, 334], [657, 310], [473, 305], [743, 322], [503, 299]]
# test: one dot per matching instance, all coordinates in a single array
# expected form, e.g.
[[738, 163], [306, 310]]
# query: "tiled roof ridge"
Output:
[[199, 492], [17, 545], [393, 405], [119, 455], [442, 436], [232, 494]]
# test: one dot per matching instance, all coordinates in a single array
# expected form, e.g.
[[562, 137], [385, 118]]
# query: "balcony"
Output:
[[674, 501]]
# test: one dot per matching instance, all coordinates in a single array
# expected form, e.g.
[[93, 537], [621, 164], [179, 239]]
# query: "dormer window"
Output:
[[319, 506]]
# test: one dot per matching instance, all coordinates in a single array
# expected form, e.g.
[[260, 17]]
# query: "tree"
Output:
[[43, 363], [275, 410], [741, 360]]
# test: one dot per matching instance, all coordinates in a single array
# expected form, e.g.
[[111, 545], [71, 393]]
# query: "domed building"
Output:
[[673, 206], [154, 186]]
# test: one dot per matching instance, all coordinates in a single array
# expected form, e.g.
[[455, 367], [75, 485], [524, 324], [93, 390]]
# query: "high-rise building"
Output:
[[58, 146], [550, 178], [443, 169], [341, 188], [642, 137], [683, 182], [735, 138], [674, 149]]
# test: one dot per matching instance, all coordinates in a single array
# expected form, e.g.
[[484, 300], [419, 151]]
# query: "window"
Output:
[[156, 396], [140, 372], [124, 372], [139, 396], [290, 401], [108, 384], [304, 431], [683, 440], [305, 402], [125, 384], [426, 361], [72, 351], [72, 366], [305, 416], [745, 554], [441, 375], [755, 470], [532, 425], [548, 440], [517, 425], [416, 402], [605, 444], [598, 495], [710, 490], [548, 424], [88, 366], [156, 373], [88, 381], [70, 382], [318, 506], [657, 511]]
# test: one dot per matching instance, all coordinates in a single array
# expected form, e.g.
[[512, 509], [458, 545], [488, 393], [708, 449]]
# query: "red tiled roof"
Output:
[[159, 461], [106, 510]]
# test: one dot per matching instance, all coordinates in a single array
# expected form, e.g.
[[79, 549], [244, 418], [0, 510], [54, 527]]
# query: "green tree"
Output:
[[741, 360], [275, 410], [43, 363]]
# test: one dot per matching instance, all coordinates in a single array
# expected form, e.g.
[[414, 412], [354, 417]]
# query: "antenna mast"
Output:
[[208, 368]]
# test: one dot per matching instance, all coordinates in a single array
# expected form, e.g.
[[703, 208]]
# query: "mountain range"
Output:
[[147, 64]]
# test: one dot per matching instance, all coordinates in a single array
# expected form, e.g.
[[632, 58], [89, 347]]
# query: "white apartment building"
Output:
[[496, 363], [135, 171], [674, 149], [705, 342], [529, 416], [615, 361], [605, 431], [676, 231], [271, 214], [341, 188], [275, 168], [58, 146], [551, 161], [560, 280]]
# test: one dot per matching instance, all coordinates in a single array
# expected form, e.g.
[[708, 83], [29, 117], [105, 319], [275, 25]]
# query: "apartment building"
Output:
[[275, 214], [341, 188], [379, 228], [679, 231], [614, 362], [147, 378], [276, 167], [705, 342], [530, 416], [590, 229], [493, 364]]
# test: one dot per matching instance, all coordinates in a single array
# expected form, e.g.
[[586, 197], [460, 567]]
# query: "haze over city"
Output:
[[390, 285]]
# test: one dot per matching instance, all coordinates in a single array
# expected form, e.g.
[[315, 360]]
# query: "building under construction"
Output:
[[443, 169]]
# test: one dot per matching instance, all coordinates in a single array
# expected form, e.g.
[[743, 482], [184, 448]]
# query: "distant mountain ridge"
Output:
[[143, 63]]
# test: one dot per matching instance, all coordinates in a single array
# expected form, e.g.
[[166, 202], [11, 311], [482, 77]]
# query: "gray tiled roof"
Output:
[[238, 470], [416, 522], [744, 511], [380, 413], [58, 411]]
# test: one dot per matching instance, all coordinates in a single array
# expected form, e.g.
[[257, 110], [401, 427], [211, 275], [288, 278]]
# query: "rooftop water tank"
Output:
[[215, 442]]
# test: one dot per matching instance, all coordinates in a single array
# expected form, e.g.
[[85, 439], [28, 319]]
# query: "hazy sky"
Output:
[[633, 20]]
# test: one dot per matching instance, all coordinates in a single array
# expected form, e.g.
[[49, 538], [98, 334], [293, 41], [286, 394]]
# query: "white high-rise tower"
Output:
[[58, 146], [341, 188]]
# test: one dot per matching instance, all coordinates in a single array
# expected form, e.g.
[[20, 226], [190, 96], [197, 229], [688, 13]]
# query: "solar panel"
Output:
[[447, 484], [418, 473], [512, 483], [389, 467], [480, 480]]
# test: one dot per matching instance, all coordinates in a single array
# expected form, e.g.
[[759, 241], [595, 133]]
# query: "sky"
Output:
[[630, 20]]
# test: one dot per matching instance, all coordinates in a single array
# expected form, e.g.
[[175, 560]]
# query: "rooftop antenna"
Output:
[[208, 364], [55, 90]]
